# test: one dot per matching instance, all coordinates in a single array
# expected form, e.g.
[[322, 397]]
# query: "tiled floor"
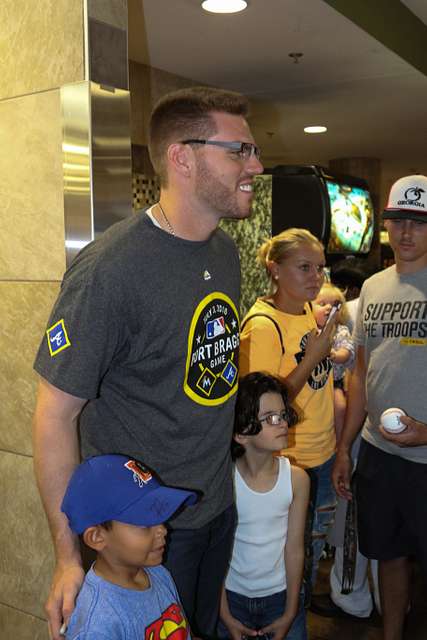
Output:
[[320, 628]]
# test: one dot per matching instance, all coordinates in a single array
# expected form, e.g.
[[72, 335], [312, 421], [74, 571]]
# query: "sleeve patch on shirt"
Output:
[[57, 338]]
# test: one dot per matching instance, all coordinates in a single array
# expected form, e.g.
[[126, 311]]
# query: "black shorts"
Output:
[[391, 498]]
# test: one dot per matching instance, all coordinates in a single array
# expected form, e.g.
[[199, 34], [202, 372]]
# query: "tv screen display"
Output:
[[352, 218]]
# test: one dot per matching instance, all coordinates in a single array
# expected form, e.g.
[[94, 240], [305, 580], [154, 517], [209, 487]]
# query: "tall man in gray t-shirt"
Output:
[[141, 349], [391, 335]]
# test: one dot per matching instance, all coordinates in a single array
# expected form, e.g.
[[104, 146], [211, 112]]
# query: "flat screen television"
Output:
[[336, 208], [351, 226]]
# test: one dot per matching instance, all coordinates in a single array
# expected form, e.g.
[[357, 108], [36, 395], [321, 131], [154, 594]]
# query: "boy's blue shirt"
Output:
[[107, 611]]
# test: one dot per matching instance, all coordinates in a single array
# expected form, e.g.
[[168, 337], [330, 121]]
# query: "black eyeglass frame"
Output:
[[237, 147]]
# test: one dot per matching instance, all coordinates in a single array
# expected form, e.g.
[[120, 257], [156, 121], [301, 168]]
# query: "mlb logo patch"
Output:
[[57, 338], [215, 328]]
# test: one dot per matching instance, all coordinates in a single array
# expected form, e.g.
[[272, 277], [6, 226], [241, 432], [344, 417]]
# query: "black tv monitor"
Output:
[[335, 208]]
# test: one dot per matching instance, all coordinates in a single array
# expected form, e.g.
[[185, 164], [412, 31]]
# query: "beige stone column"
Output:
[[370, 170], [42, 48]]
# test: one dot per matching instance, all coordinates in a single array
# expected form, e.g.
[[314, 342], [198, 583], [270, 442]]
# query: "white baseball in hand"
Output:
[[391, 422]]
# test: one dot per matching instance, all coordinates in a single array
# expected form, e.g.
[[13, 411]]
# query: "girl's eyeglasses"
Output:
[[273, 419]]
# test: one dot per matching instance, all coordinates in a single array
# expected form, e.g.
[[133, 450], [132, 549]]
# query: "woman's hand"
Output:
[[317, 347], [319, 344]]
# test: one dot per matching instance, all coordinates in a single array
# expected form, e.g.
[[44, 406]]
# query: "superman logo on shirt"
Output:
[[171, 625]]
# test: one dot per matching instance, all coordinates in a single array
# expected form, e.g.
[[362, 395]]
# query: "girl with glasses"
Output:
[[262, 594]]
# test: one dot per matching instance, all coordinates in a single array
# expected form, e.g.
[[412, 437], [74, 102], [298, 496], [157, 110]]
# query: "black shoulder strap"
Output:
[[276, 324]]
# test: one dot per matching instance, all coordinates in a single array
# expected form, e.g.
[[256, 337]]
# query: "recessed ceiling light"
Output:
[[316, 129], [224, 6]]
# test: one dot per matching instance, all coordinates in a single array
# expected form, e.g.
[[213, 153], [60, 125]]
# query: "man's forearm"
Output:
[[54, 461], [56, 454], [356, 407]]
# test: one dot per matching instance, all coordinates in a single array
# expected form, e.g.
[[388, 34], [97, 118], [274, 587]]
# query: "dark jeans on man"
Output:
[[198, 561]]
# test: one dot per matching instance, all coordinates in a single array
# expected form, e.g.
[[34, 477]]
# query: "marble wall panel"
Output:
[[113, 12], [140, 101], [108, 55], [19, 625], [42, 45], [24, 309], [31, 188], [26, 560]]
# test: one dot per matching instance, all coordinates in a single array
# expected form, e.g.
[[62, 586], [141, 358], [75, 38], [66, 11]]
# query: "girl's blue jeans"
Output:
[[256, 613]]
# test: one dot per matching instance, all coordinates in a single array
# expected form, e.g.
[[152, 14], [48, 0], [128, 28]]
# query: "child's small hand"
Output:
[[279, 628], [340, 356], [237, 630]]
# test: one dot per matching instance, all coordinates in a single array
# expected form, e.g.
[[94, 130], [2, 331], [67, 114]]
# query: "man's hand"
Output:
[[279, 628], [60, 604], [415, 434], [341, 474]]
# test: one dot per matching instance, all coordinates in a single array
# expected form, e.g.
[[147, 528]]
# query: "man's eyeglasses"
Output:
[[244, 150], [273, 419]]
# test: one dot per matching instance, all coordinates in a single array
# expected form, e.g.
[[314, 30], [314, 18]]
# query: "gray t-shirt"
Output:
[[392, 327], [146, 328]]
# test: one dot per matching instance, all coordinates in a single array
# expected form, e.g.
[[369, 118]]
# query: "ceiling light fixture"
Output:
[[316, 129], [224, 6]]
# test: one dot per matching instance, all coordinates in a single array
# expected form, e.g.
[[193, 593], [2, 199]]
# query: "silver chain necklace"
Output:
[[168, 224]]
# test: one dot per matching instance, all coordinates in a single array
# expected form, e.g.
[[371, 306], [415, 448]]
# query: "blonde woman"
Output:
[[280, 337]]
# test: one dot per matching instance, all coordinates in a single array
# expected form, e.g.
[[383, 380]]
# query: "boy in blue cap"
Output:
[[119, 507]]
